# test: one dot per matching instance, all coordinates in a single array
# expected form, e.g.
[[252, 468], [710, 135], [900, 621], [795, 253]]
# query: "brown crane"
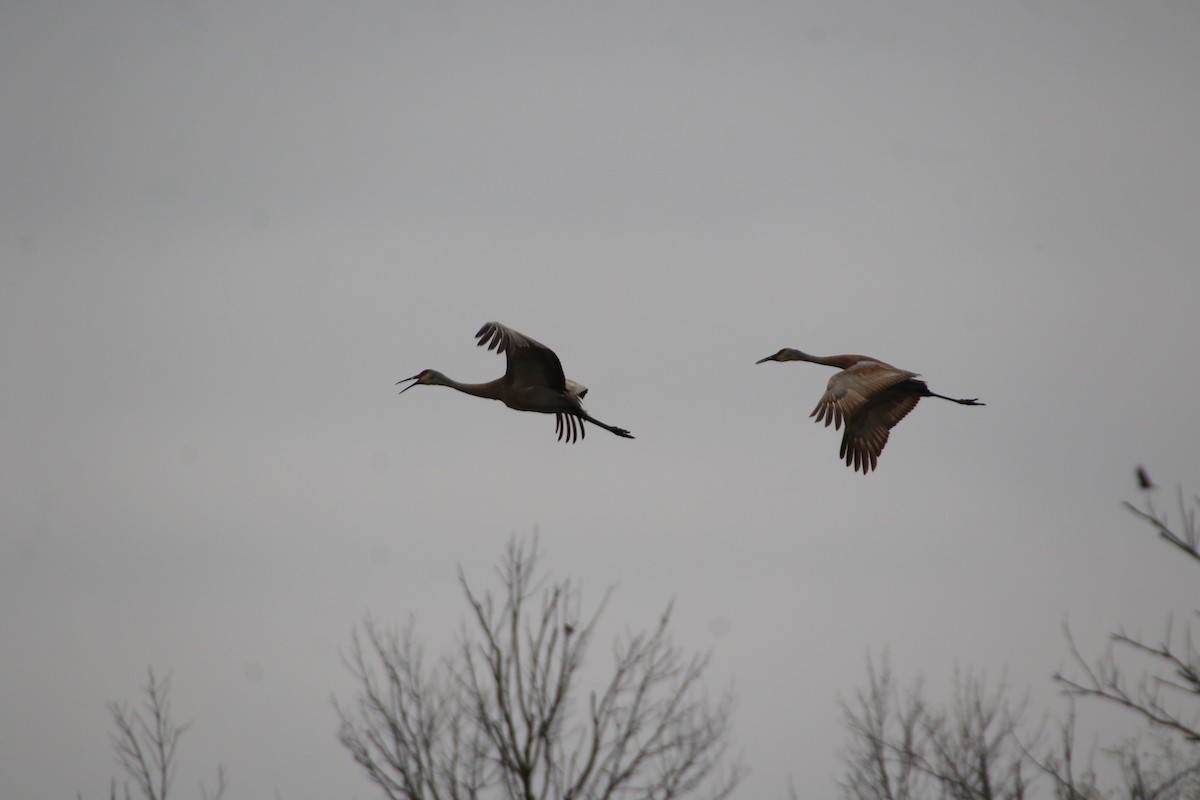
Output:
[[534, 381], [870, 397]]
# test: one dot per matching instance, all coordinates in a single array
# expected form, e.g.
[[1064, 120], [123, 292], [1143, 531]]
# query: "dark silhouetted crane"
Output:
[[534, 381]]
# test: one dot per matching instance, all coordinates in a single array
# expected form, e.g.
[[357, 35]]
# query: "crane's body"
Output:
[[869, 396], [534, 381]]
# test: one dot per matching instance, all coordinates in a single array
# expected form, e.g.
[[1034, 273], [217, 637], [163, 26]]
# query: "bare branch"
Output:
[[1174, 663], [508, 690], [1103, 679], [1188, 539], [901, 748], [1059, 763], [407, 730], [145, 743], [220, 791]]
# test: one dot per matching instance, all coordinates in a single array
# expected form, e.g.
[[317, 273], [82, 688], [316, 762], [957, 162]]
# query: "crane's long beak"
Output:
[[768, 358], [406, 388]]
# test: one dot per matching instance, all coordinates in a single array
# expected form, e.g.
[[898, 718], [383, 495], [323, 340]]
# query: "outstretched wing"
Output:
[[530, 363], [867, 431], [851, 389]]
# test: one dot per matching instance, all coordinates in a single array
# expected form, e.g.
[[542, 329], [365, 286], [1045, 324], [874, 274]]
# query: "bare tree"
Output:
[[145, 743], [1073, 778], [1165, 689], [901, 748], [1162, 772], [410, 734], [882, 750], [975, 747], [500, 716]]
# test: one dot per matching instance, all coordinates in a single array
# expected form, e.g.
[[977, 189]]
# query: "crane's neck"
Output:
[[490, 390], [841, 362]]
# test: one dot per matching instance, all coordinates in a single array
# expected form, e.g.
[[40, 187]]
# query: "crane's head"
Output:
[[426, 377], [786, 354]]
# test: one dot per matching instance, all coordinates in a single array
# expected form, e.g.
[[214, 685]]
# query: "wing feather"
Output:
[[853, 388], [530, 363], [868, 430]]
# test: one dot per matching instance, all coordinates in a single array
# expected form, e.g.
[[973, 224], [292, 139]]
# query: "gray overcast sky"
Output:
[[227, 229]]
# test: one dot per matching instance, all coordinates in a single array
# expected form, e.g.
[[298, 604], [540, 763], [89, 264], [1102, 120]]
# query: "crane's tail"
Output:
[[565, 425]]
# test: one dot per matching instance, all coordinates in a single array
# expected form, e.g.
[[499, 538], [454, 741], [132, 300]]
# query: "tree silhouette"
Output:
[[900, 746], [1165, 690], [145, 742], [501, 716]]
